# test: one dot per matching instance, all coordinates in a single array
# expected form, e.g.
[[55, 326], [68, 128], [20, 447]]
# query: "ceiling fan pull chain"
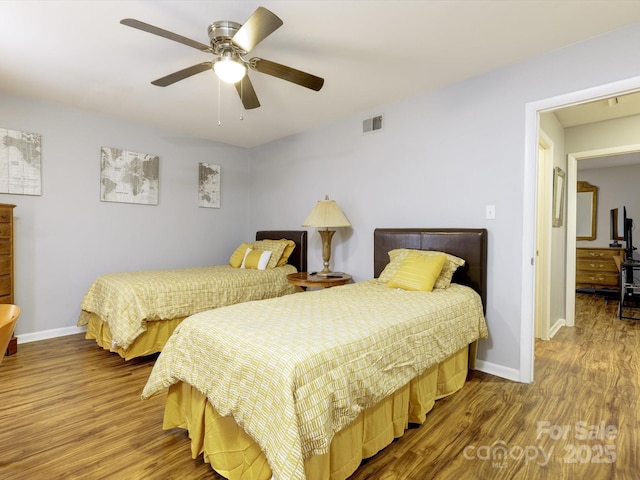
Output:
[[219, 122], [241, 97]]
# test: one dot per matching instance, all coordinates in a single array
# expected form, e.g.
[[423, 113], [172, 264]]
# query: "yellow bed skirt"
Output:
[[149, 342], [234, 455]]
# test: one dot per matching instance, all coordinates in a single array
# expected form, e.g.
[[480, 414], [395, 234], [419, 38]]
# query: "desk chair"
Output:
[[8, 317]]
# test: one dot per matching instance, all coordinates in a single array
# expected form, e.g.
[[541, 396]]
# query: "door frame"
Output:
[[572, 191], [530, 210], [543, 238]]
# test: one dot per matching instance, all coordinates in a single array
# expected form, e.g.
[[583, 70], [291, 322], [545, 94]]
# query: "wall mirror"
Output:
[[586, 211]]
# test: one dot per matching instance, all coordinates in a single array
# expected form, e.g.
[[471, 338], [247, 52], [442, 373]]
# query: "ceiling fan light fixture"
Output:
[[229, 69], [229, 43]]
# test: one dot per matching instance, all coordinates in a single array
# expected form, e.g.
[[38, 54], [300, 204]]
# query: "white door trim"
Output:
[[542, 263], [532, 111]]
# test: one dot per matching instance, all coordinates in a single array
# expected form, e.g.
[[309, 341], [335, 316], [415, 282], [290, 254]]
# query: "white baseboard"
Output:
[[561, 322], [46, 334], [498, 370]]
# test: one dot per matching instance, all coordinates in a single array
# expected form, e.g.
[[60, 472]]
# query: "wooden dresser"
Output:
[[6, 263], [596, 268]]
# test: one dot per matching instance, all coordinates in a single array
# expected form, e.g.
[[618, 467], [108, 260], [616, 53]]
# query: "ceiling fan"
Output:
[[229, 42]]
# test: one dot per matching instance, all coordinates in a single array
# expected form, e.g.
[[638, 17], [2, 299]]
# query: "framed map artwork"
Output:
[[20, 162], [128, 177], [209, 185]]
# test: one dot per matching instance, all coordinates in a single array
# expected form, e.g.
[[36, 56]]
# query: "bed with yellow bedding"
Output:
[[134, 313], [306, 385]]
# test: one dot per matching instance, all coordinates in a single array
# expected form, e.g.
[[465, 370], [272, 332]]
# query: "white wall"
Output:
[[440, 159], [67, 237], [606, 134]]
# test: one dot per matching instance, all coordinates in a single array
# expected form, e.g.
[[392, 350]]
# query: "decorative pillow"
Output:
[[290, 245], [246, 252], [398, 255], [238, 255], [256, 259], [276, 247], [418, 272]]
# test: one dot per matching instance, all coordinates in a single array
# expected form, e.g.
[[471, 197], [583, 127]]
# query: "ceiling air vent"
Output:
[[373, 124]]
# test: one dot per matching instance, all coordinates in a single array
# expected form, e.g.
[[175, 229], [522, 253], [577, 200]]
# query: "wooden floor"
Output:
[[69, 410]]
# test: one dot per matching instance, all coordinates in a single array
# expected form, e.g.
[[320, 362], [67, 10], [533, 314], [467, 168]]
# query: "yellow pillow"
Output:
[[256, 259], [238, 255], [290, 245], [276, 247], [398, 255], [418, 272]]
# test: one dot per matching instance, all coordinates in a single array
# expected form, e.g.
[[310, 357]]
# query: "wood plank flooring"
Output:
[[69, 410]]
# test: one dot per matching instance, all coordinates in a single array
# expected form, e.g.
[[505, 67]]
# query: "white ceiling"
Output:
[[370, 53]]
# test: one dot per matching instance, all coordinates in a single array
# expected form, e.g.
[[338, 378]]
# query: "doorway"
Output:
[[531, 210], [572, 175]]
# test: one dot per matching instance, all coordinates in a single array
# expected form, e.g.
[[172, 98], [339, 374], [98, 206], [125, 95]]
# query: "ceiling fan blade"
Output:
[[182, 74], [286, 73], [247, 93], [130, 22], [258, 26]]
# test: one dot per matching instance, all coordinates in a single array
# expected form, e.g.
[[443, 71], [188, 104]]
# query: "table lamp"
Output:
[[326, 214]]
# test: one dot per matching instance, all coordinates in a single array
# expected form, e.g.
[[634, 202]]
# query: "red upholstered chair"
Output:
[[8, 317]]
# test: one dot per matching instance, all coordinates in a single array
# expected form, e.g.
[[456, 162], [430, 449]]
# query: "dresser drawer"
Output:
[[602, 279], [606, 254], [6, 215], [5, 285], [596, 265], [5, 246], [5, 265]]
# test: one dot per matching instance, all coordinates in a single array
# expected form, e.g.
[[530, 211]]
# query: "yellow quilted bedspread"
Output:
[[126, 301], [294, 370]]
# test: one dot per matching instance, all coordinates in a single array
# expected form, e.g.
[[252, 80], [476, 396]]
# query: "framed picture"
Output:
[[128, 177], [558, 197], [20, 162], [208, 185]]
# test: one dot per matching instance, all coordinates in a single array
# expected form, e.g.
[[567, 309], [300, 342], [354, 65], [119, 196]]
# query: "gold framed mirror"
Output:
[[586, 211]]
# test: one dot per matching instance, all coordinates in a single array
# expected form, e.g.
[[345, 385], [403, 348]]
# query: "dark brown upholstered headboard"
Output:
[[299, 256], [467, 243]]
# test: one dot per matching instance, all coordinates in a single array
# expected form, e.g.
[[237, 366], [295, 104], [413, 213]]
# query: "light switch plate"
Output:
[[490, 212]]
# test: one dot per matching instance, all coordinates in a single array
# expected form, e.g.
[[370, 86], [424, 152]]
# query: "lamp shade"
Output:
[[326, 214]]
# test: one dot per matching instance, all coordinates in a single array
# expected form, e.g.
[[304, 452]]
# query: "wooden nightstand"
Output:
[[304, 280]]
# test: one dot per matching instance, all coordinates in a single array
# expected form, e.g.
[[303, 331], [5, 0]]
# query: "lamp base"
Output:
[[326, 236]]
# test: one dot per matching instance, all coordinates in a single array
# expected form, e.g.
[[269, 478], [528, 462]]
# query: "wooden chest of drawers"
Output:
[[6, 262], [595, 268]]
